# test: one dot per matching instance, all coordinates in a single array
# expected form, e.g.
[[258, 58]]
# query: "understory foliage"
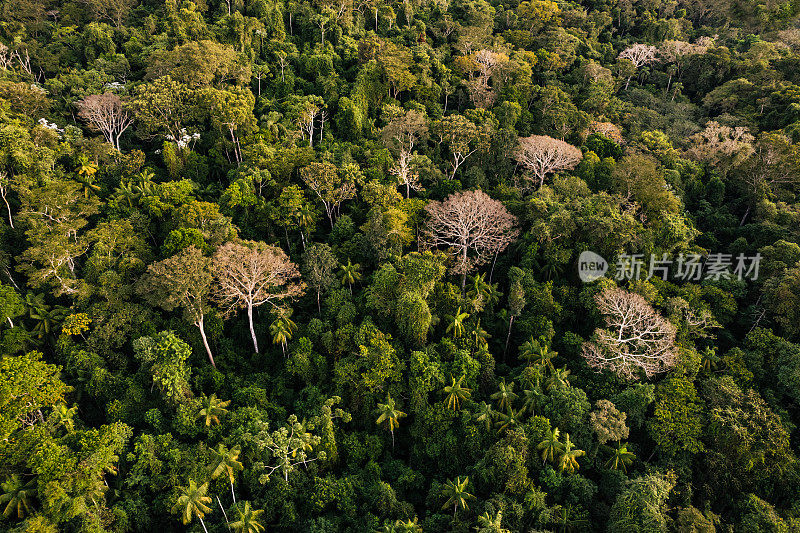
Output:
[[314, 266]]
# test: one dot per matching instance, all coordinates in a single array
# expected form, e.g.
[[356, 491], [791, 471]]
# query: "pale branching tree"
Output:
[[250, 274], [676, 53], [636, 338], [107, 114], [473, 225], [638, 55], [722, 147], [400, 135], [542, 155], [487, 63], [407, 176]]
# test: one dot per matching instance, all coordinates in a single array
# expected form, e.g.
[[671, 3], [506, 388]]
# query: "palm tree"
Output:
[[455, 394], [508, 420], [478, 335], [505, 395], [282, 329], [389, 414], [550, 447], [710, 360], [192, 502], [225, 461], [305, 219], [528, 350], [491, 524], [62, 416], [456, 325], [248, 520], [482, 293], [350, 274], [401, 526], [620, 457], [558, 378], [569, 456], [457, 495], [212, 408], [486, 414], [532, 397], [18, 496]]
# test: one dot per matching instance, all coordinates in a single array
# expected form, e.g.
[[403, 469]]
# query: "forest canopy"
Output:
[[382, 266]]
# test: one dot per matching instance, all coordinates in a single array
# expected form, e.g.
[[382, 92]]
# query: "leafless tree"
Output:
[[405, 173], [722, 147], [487, 62], [306, 121], [250, 274], [636, 337], [470, 221], [542, 155], [639, 55], [107, 114]]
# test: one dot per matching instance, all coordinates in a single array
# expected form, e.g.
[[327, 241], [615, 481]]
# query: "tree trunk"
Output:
[[202, 524], [319, 307], [223, 511], [233, 496], [8, 208], [508, 336], [201, 327], [252, 330]]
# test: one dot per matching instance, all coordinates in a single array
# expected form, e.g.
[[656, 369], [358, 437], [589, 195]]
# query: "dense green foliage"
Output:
[[234, 296]]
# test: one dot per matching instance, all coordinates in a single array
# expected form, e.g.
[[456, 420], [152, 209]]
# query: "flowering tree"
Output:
[[542, 155], [637, 338], [470, 221]]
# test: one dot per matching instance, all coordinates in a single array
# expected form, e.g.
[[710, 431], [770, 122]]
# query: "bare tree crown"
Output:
[[107, 114], [253, 273], [542, 155], [470, 221], [636, 339]]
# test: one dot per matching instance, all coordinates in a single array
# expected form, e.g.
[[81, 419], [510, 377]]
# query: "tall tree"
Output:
[[319, 266], [106, 113], [637, 338], [330, 185], [455, 490], [470, 221], [192, 503], [183, 280], [542, 155], [250, 274], [390, 415], [225, 461], [248, 520]]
